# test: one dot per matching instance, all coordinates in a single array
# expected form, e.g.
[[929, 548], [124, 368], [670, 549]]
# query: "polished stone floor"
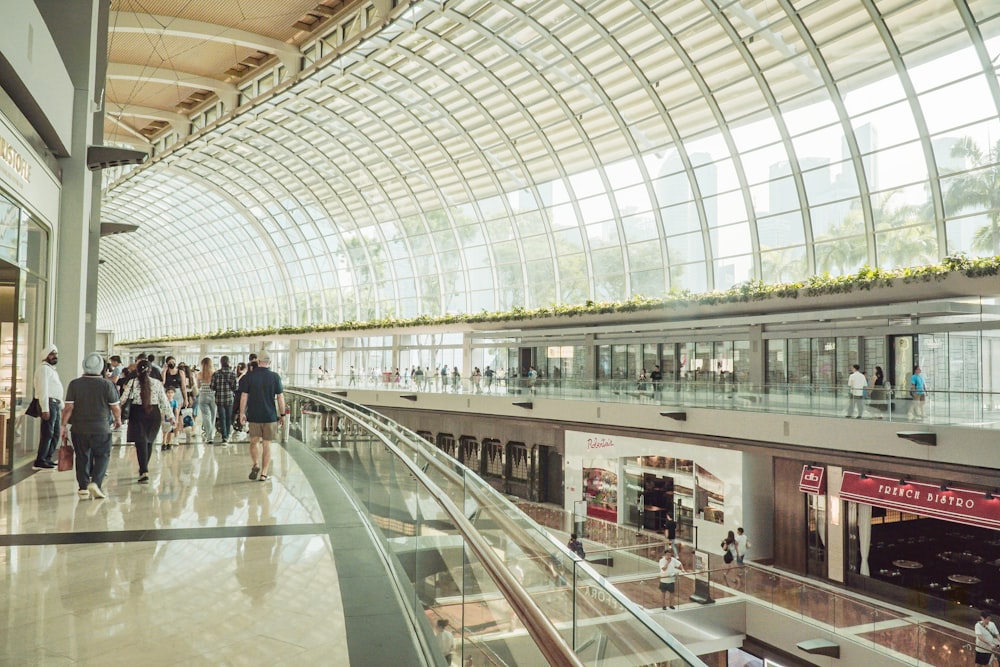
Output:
[[200, 567]]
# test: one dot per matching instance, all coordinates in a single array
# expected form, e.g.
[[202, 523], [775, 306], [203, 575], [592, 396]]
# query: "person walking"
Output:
[[91, 411], [258, 392], [729, 551], [742, 546], [223, 385], [49, 392], [149, 407], [206, 400], [656, 377], [880, 393], [918, 392], [857, 384], [987, 640], [670, 567], [446, 640]]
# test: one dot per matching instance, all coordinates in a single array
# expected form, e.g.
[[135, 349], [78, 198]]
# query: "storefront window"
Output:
[[776, 369], [600, 488]]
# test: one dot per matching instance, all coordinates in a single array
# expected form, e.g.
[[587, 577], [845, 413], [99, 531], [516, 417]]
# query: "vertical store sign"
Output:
[[813, 480]]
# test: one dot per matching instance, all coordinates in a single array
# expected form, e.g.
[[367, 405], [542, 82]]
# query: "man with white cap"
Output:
[[91, 400], [49, 392]]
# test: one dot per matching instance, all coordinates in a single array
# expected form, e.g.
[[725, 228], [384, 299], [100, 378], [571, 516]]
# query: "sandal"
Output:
[[263, 478], [254, 472]]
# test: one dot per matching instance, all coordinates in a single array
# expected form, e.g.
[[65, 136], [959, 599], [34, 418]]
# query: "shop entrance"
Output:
[[816, 565], [21, 301], [902, 358]]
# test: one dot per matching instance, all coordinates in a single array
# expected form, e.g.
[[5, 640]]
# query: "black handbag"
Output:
[[126, 406], [34, 409]]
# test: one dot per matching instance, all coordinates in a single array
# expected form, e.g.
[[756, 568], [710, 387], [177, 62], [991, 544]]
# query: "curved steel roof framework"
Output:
[[486, 154]]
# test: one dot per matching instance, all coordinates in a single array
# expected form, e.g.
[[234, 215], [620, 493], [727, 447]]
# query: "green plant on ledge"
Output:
[[752, 290]]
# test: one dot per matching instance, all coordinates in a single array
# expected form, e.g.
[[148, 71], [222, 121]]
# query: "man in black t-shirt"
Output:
[[656, 377], [90, 411], [258, 392]]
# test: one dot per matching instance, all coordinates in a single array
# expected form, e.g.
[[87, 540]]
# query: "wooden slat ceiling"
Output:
[[158, 49]]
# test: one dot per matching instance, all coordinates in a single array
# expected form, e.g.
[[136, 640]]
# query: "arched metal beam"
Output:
[[134, 22]]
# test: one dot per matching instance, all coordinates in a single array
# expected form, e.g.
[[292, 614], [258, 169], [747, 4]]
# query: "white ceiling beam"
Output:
[[180, 123], [134, 135], [226, 91], [132, 22], [172, 117]]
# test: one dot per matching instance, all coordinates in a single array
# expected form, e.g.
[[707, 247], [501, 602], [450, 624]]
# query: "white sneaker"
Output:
[[95, 491], [83, 493]]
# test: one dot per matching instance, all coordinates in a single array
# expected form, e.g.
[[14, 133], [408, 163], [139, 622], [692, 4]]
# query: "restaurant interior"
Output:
[[942, 567]]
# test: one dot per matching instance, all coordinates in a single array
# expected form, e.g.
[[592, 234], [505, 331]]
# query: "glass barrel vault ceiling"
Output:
[[485, 154]]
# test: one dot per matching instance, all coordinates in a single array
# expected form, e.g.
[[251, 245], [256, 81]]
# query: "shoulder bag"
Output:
[[127, 403], [34, 409]]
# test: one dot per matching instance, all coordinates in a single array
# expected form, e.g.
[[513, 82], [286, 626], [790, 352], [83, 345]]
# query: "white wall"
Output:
[[28, 48]]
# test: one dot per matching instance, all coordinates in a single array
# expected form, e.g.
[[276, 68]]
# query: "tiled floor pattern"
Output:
[[200, 567]]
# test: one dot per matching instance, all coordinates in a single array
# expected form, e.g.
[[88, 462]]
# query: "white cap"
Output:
[[49, 349], [93, 364]]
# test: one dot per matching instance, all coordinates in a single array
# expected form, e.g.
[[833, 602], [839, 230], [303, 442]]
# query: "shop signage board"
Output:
[[958, 505], [813, 480]]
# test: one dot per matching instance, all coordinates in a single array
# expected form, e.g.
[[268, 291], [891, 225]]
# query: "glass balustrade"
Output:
[[472, 557], [633, 569], [958, 408]]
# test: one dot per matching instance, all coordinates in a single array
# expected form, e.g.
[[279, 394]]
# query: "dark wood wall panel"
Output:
[[789, 517]]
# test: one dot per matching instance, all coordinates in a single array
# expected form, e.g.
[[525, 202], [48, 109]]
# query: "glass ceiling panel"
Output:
[[430, 154]]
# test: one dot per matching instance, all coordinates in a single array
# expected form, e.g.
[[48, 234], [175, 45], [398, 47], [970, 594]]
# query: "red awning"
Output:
[[958, 505], [813, 480]]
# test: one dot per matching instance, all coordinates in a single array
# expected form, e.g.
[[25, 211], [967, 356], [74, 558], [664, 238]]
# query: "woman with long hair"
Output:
[[729, 553], [149, 404], [206, 400]]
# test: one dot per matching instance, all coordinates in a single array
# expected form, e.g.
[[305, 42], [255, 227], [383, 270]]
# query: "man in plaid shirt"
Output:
[[224, 385]]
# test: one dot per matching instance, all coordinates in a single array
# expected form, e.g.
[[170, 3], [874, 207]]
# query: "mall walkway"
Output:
[[200, 567]]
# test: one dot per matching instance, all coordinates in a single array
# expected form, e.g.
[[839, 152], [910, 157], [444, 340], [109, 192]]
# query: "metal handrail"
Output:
[[436, 455], [548, 640]]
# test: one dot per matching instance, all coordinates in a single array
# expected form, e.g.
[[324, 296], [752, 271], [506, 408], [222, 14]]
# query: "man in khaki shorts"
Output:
[[258, 392]]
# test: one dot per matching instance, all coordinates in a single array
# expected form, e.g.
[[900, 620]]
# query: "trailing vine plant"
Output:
[[754, 290]]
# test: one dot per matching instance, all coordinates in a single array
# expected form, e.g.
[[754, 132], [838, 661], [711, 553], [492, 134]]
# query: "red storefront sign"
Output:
[[958, 505], [813, 480]]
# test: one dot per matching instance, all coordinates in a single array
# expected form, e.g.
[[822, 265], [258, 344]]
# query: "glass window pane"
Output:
[[686, 248], [958, 104], [784, 266], [780, 230]]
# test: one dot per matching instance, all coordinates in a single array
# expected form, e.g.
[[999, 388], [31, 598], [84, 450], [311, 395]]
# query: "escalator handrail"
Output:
[[548, 640]]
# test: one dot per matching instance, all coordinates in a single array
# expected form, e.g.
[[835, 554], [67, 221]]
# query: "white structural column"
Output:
[[79, 28]]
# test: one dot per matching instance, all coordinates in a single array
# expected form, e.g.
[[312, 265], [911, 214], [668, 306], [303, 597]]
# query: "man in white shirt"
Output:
[[670, 566], [446, 640], [49, 392], [742, 544], [987, 640], [857, 383]]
